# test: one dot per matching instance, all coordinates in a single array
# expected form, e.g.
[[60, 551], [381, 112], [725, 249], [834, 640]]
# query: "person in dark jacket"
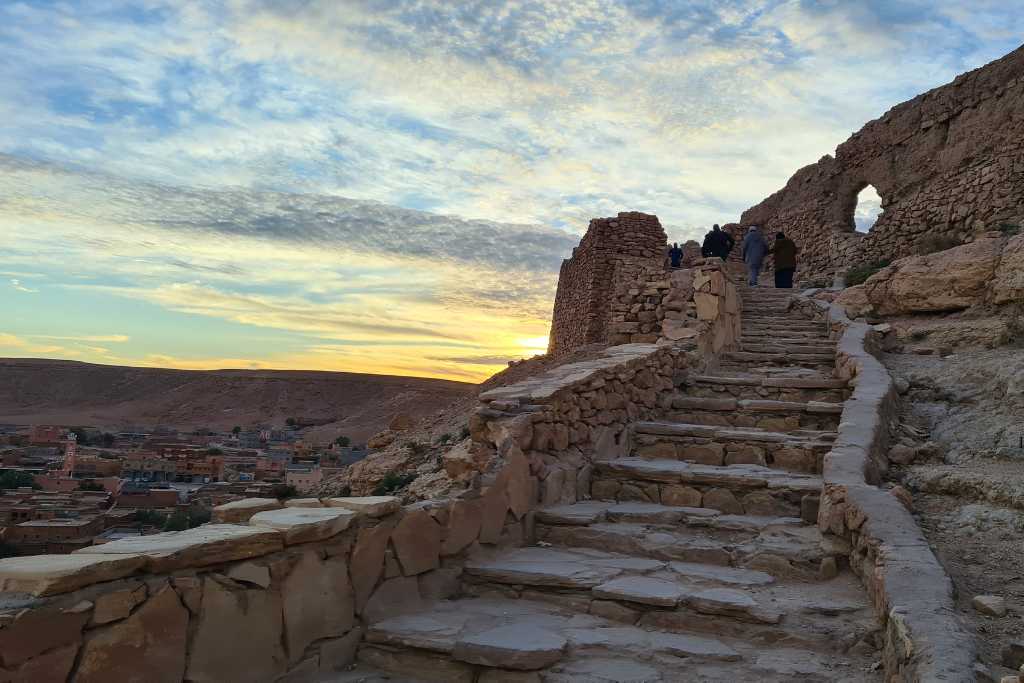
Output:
[[675, 255], [717, 243], [785, 251]]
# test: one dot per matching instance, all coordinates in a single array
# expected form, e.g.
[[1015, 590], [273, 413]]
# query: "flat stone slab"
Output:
[[642, 589], [239, 511], [731, 603], [302, 525], [199, 547], [646, 512], [42, 575], [696, 571], [568, 573], [521, 647], [682, 645], [372, 506], [303, 503], [583, 513], [435, 631]]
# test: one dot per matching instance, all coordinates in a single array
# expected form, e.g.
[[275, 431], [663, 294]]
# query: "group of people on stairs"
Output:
[[754, 248]]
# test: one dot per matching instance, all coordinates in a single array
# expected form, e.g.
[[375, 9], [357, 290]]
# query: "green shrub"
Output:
[[464, 433], [1009, 229], [393, 482], [343, 441], [14, 479], [282, 491], [859, 273], [416, 447], [444, 438]]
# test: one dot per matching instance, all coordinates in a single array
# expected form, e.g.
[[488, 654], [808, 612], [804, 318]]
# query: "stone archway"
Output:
[[866, 209]]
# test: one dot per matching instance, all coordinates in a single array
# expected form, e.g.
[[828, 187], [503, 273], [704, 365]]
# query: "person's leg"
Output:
[[780, 277], [787, 278]]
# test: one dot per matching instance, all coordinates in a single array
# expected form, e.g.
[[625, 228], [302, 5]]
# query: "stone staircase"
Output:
[[698, 558]]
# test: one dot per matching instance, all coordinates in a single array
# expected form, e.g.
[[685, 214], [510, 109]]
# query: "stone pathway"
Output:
[[697, 560]]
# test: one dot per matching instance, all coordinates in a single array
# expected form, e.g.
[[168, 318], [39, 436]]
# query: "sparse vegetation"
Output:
[[150, 517], [89, 485], [178, 521], [282, 491], [444, 438], [393, 482], [214, 451], [14, 479], [416, 447], [860, 273], [1009, 229], [343, 441], [7, 550], [236, 430], [291, 422], [464, 433]]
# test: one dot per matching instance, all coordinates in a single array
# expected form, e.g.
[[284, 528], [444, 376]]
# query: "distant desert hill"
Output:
[[42, 391]]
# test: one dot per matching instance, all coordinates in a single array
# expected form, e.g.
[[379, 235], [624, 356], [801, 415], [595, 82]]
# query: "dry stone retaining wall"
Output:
[[277, 593], [577, 413], [911, 592], [948, 164]]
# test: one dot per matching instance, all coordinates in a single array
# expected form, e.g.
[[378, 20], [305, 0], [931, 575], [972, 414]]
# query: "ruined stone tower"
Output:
[[613, 251]]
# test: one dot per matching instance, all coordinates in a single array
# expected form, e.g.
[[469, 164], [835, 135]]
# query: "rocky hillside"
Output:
[[115, 397]]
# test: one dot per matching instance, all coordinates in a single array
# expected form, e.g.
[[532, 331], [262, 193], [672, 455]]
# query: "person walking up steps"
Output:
[[754, 248], [675, 255], [785, 251]]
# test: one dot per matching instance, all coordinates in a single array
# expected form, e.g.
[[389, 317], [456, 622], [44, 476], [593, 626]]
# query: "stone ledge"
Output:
[[913, 596], [198, 547], [45, 575]]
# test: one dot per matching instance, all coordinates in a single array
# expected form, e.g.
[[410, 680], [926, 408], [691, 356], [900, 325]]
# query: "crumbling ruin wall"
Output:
[[613, 252], [948, 165]]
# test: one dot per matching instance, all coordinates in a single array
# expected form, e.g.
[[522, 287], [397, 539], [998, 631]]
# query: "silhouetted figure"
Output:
[[754, 248], [785, 251], [675, 255], [717, 243]]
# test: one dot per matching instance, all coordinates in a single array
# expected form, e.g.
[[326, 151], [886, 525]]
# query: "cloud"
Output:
[[16, 283], [110, 338]]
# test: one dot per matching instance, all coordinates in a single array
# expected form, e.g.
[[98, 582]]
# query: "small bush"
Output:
[[343, 441], [89, 485], [464, 433], [931, 244], [393, 482], [1009, 229], [282, 491], [444, 438], [417, 447], [859, 273]]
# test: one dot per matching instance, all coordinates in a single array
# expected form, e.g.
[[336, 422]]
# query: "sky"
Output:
[[389, 186]]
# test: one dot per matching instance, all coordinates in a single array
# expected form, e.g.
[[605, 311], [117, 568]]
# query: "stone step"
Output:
[[779, 323], [732, 489], [782, 416], [529, 636], [785, 550], [779, 358], [824, 346], [787, 385], [585, 513], [797, 450], [790, 334], [694, 597]]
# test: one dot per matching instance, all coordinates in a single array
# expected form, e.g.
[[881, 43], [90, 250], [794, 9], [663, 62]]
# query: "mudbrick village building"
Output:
[[697, 498]]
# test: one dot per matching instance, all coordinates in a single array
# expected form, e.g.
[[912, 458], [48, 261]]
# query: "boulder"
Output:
[[238, 637], [239, 511], [371, 506], [149, 645], [989, 605], [1008, 285], [417, 540]]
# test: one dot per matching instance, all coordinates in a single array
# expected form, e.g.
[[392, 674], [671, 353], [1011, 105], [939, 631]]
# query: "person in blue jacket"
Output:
[[754, 249]]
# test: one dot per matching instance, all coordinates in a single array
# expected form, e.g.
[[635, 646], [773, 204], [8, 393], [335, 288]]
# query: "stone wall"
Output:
[[911, 592], [269, 593], [612, 252], [948, 163], [565, 419]]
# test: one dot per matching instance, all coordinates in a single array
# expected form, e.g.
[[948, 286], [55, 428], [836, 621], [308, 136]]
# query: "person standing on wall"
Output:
[[785, 251], [717, 243], [727, 241], [754, 248], [675, 255]]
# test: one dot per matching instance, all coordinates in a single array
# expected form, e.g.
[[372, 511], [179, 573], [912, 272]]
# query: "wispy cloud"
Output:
[[16, 283]]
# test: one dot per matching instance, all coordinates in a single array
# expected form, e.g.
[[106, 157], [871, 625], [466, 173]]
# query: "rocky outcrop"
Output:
[[985, 271], [948, 164]]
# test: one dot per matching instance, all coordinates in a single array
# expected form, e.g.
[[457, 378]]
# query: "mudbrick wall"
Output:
[[613, 251], [911, 592], [947, 164]]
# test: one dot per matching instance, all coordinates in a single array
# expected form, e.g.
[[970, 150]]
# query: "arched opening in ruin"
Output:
[[869, 207]]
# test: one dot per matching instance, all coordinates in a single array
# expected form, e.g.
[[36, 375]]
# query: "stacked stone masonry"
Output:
[[614, 251], [948, 164]]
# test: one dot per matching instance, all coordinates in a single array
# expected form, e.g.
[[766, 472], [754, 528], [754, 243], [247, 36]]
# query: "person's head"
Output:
[[715, 227], [675, 245], [780, 236], [753, 228]]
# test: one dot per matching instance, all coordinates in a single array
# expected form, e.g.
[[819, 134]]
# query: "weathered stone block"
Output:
[[417, 541]]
